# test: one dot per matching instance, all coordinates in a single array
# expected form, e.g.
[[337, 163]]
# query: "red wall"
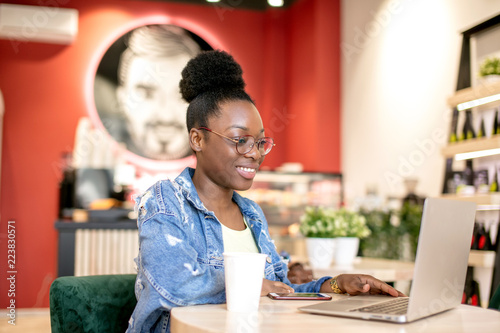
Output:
[[313, 137], [45, 91]]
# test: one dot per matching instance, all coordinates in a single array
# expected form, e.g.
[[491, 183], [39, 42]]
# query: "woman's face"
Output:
[[219, 159]]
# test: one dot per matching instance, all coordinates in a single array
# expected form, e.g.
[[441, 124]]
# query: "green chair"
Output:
[[495, 300], [99, 303]]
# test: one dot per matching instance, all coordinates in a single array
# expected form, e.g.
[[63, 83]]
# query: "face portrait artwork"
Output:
[[145, 111]]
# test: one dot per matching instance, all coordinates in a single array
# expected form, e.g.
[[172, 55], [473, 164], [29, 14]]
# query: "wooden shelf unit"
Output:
[[488, 204], [488, 199], [472, 93], [482, 259], [470, 145]]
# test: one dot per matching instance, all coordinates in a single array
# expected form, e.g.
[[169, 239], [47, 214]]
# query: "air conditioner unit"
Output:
[[38, 24]]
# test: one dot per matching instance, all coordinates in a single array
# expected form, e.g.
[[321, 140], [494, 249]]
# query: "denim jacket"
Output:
[[180, 260]]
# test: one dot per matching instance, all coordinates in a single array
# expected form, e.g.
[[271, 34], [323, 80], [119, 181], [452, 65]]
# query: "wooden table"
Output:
[[283, 316], [28, 320]]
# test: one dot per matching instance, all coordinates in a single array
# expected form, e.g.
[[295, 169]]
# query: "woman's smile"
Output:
[[247, 172]]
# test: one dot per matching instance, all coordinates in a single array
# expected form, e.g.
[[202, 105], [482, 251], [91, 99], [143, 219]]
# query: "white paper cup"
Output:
[[244, 273]]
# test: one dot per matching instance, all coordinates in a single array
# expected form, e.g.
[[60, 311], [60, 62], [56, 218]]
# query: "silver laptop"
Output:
[[440, 268]]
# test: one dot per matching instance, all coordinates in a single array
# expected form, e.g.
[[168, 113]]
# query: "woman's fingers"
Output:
[[269, 286], [355, 284]]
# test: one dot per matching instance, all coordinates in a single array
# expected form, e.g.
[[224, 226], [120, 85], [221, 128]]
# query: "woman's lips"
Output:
[[247, 172]]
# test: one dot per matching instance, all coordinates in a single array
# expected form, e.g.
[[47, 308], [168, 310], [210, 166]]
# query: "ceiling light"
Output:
[[476, 154], [212, 0], [275, 3]]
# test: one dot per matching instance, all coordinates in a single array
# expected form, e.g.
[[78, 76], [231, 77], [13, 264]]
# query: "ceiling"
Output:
[[236, 4]]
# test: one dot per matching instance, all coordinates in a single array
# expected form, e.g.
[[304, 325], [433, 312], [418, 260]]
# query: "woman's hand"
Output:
[[269, 286], [355, 284]]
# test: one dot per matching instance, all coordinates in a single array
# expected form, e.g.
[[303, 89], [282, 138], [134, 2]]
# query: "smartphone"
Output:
[[300, 296]]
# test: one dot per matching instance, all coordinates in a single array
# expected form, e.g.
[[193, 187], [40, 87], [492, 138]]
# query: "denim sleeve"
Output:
[[172, 272]]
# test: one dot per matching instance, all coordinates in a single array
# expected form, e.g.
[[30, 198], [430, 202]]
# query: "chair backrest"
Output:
[[495, 300], [99, 303]]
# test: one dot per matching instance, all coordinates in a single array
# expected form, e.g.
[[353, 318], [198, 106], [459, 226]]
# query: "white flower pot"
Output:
[[320, 252], [346, 249], [489, 79]]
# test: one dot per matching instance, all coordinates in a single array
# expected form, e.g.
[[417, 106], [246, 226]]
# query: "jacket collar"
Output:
[[185, 182]]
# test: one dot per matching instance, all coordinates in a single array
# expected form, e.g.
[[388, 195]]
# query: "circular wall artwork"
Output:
[[136, 92]]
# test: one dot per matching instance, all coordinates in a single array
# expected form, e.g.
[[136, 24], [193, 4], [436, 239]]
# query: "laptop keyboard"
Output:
[[396, 306]]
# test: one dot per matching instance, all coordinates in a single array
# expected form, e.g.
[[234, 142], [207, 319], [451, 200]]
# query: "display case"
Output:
[[283, 196]]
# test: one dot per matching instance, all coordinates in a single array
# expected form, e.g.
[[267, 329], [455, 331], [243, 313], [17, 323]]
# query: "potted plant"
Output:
[[394, 232], [490, 68], [332, 233]]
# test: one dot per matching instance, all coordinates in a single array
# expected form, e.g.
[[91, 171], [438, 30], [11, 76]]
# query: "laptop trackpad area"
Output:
[[353, 302]]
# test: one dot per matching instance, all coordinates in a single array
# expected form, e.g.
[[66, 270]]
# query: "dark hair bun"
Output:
[[210, 71]]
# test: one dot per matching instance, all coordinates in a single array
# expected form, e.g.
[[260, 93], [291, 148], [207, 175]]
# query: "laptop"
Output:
[[439, 275]]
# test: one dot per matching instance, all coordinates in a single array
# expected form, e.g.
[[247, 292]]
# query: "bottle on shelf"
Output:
[[473, 242], [469, 173], [488, 244], [463, 136], [471, 133], [494, 183], [454, 126], [495, 242], [471, 294], [468, 130], [495, 129], [482, 131], [484, 239], [465, 180], [481, 239]]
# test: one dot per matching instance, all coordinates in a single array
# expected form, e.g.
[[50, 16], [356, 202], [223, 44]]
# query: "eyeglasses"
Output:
[[245, 143]]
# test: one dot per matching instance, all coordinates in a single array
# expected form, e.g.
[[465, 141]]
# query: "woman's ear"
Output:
[[195, 140]]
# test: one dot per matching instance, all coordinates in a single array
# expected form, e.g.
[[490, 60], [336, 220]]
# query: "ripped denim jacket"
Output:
[[180, 260]]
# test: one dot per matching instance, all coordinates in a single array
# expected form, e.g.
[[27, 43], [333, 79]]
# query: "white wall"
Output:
[[400, 64]]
